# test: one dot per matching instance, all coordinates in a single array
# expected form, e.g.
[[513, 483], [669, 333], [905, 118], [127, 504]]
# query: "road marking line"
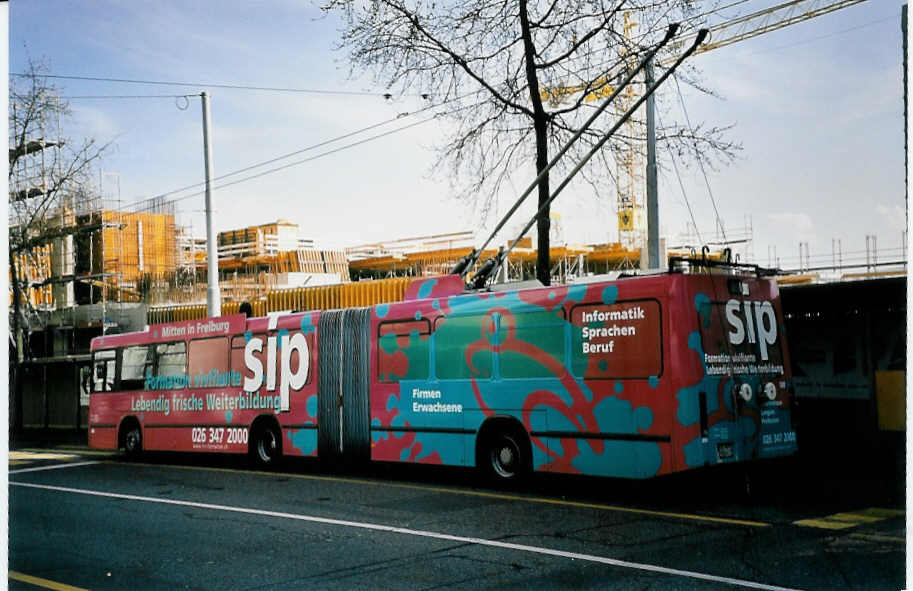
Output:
[[420, 533], [18, 462], [482, 494], [878, 538], [47, 584], [849, 519], [54, 467]]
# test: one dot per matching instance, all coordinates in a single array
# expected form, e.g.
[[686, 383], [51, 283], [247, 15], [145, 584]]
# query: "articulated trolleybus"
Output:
[[631, 378]]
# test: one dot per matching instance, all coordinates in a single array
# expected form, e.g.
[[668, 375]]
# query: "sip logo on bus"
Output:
[[287, 378], [754, 320]]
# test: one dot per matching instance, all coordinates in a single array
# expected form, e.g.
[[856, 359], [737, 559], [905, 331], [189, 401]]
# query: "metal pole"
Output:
[[213, 299], [652, 197]]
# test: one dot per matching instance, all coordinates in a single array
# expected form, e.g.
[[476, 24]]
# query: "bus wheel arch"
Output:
[[503, 450], [130, 437], [265, 442]]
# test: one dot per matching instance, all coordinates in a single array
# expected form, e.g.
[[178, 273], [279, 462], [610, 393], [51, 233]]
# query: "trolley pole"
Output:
[[213, 298]]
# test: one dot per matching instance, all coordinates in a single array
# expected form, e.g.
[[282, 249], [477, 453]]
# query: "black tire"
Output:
[[266, 447], [133, 440], [504, 457]]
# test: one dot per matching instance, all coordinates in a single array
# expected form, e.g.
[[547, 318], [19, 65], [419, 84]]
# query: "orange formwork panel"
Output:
[[259, 308]]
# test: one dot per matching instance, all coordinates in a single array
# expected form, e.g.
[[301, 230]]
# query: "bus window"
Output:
[[103, 365], [136, 362], [623, 340], [207, 355], [170, 359], [404, 351], [455, 338], [544, 332]]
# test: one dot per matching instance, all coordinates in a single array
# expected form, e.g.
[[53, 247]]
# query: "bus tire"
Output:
[[503, 455], [132, 438], [265, 446]]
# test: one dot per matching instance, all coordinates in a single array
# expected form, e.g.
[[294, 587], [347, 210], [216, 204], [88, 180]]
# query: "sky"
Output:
[[817, 108]]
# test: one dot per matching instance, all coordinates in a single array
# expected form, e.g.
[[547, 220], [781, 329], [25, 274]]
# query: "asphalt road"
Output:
[[80, 520]]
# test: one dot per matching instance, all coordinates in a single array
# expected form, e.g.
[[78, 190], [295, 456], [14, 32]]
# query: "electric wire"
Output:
[[125, 96], [276, 159], [698, 158], [153, 202], [213, 85], [682, 186], [160, 196]]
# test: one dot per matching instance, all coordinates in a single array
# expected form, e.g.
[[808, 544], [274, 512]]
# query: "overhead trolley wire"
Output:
[[213, 85], [152, 202], [681, 186], [126, 96], [149, 201], [700, 162]]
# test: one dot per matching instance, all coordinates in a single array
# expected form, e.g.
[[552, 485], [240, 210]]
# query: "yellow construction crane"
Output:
[[721, 35], [763, 21], [630, 209]]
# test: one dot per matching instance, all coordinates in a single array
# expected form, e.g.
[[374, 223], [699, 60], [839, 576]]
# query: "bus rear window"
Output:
[[741, 337]]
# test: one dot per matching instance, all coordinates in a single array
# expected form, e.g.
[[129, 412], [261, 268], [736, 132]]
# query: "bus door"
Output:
[[343, 421]]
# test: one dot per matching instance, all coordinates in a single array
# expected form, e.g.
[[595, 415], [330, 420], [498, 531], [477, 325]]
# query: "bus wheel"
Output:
[[133, 441], [266, 447], [504, 457]]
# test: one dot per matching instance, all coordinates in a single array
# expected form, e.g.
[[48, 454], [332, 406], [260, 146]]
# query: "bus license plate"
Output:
[[725, 450]]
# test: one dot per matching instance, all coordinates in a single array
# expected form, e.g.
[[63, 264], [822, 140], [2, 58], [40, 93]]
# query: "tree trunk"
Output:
[[540, 125]]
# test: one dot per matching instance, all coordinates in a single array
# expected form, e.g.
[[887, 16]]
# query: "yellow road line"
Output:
[[17, 462], [488, 495], [39, 582], [79, 452], [822, 524], [32, 455], [850, 519]]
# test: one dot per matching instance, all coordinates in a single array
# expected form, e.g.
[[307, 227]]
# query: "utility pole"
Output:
[[213, 298], [652, 197]]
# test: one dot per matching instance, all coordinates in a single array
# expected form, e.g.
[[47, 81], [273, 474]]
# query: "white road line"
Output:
[[416, 532], [54, 467]]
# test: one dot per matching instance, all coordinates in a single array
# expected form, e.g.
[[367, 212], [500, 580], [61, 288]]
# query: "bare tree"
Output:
[[493, 65], [45, 172]]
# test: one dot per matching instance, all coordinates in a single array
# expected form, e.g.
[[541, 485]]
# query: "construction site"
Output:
[[84, 263]]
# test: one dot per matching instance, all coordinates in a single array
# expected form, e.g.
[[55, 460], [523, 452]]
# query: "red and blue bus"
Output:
[[632, 378]]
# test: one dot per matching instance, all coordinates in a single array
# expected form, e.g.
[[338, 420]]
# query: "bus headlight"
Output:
[[745, 392], [770, 390]]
